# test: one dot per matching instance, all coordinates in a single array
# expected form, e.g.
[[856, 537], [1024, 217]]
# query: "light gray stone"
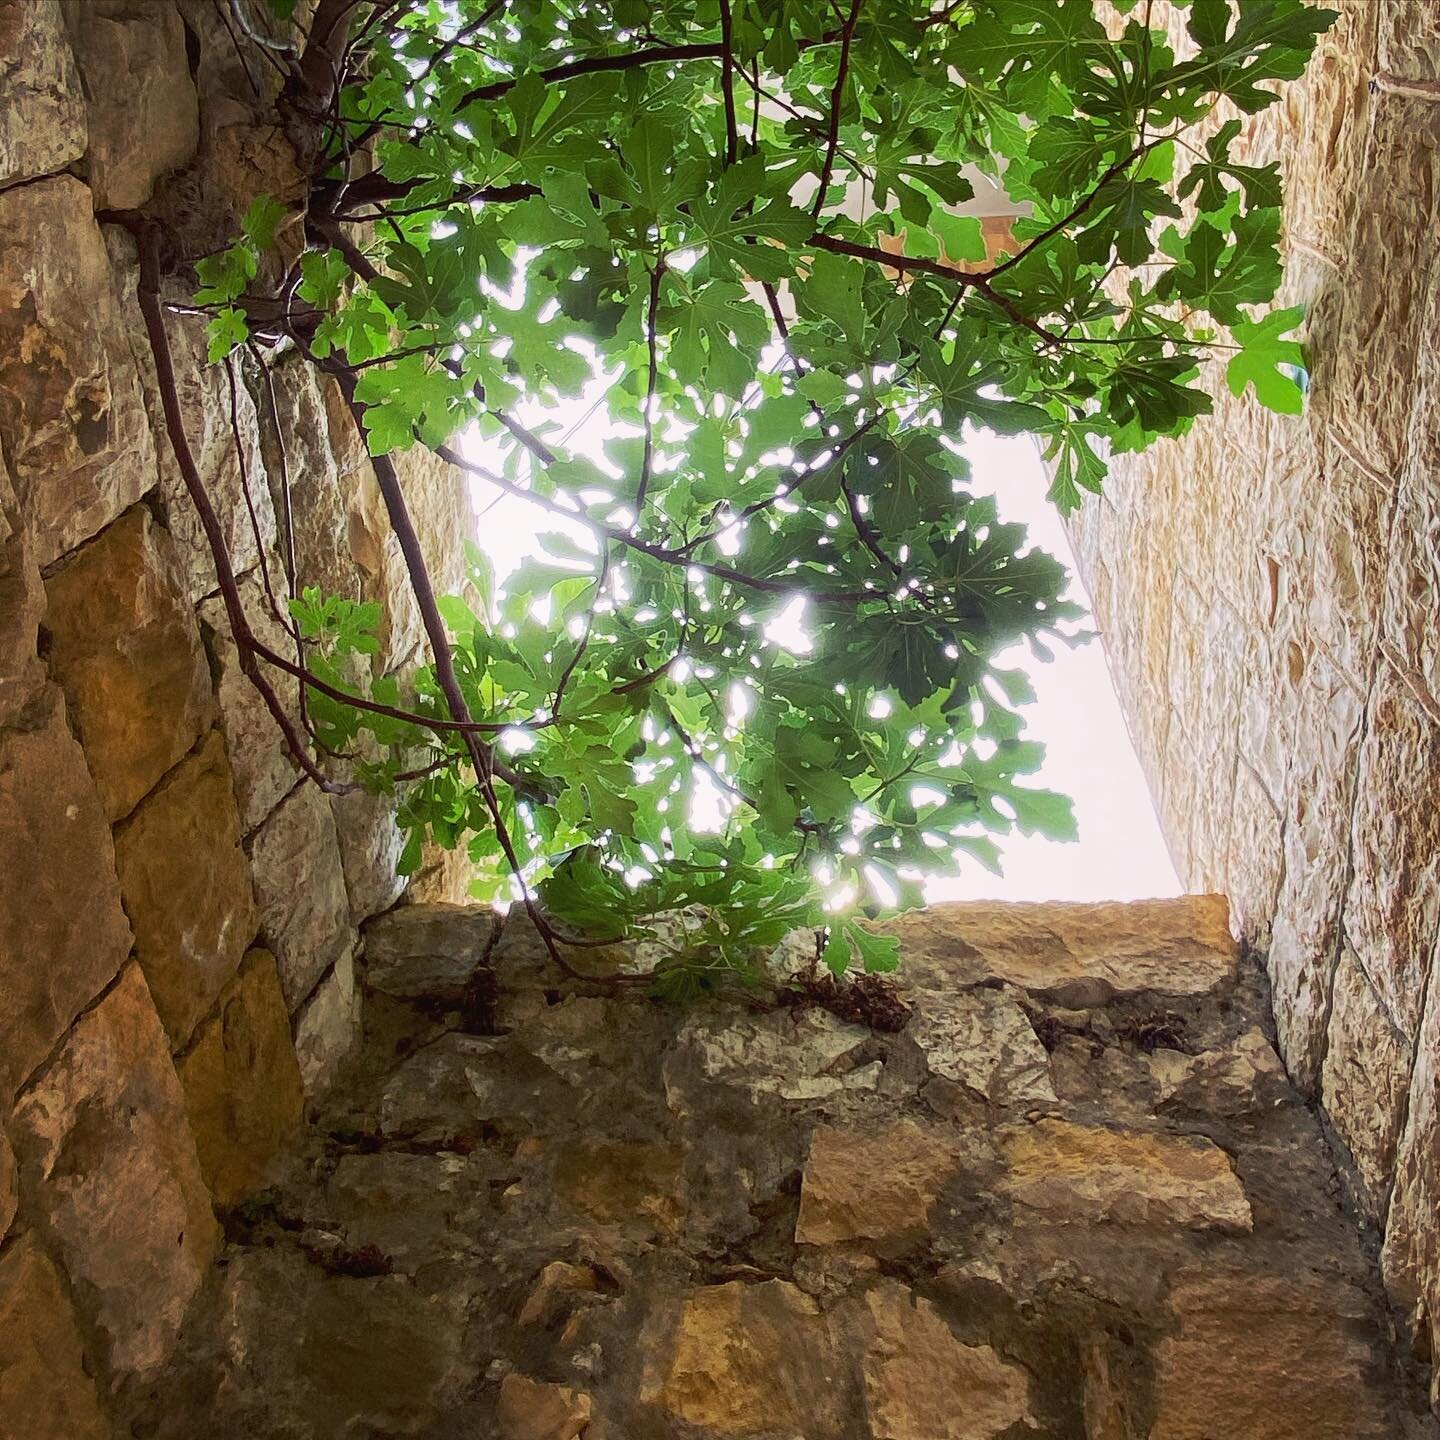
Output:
[[42, 109]]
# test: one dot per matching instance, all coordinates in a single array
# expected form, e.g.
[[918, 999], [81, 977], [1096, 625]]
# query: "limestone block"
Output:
[[1306, 931], [875, 1187], [921, 1383], [1255, 861], [1410, 43], [42, 110], [1392, 908], [227, 452], [1365, 1078], [306, 925], [65, 933], [1375, 363], [1239, 1079], [1268, 1357], [126, 651], [72, 416], [1085, 1172], [109, 1171], [427, 951], [242, 1082], [264, 769], [630, 1184], [537, 1410], [371, 844], [327, 1028], [743, 1359], [22, 603], [982, 1040], [46, 1391], [1087, 952], [187, 887], [143, 113]]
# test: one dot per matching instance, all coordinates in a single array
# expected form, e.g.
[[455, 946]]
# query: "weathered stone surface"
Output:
[[65, 933], [187, 887], [1392, 908], [42, 110], [46, 1390], [427, 951], [1078, 953], [307, 926], [327, 1027], [877, 1187], [72, 417], [109, 1170], [557, 1284], [143, 113], [921, 1383], [371, 844], [1084, 1172], [22, 603], [264, 769], [241, 1081], [9, 1185], [537, 1410], [623, 1183], [982, 1040], [1266, 1357], [126, 650], [1410, 43], [745, 1359], [1240, 1078]]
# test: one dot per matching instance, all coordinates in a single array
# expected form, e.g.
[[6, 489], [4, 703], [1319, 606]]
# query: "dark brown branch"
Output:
[[837, 100]]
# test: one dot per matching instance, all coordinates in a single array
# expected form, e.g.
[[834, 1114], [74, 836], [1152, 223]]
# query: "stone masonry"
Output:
[[1267, 589], [1063, 1189], [178, 920]]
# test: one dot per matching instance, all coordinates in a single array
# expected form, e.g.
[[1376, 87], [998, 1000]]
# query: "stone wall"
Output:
[[1054, 1187], [1267, 591], [178, 915]]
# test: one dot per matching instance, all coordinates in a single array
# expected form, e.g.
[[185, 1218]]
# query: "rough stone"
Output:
[[1233, 1081], [1084, 1172], [65, 933], [921, 1383], [125, 648], [427, 951], [143, 113], [622, 1183], [187, 887], [307, 926], [264, 769], [109, 1171], [982, 1040], [46, 1390], [537, 1410], [555, 1287], [877, 1187], [1267, 1357], [9, 1185], [73, 423], [241, 1081], [42, 111], [745, 1359], [22, 603], [371, 844], [327, 1027], [1081, 953]]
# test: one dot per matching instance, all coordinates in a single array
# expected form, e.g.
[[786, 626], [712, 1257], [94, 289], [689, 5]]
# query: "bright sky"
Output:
[[1120, 854]]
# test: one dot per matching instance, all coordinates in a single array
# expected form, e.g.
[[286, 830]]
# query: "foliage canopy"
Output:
[[748, 215]]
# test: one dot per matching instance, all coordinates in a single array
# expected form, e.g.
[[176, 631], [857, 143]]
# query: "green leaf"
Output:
[[1264, 351]]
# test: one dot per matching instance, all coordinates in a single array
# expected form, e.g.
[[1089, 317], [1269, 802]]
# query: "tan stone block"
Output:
[[1256, 858], [306, 925], [1086, 1172], [536, 1410], [9, 1185], [46, 1392], [327, 1028], [617, 1182], [187, 887], [42, 110], [1392, 908], [1365, 1078], [109, 1173], [744, 1358], [265, 771], [427, 951], [371, 844], [921, 1383], [126, 650], [1410, 43], [72, 417], [143, 114], [1171, 947], [241, 1081], [1268, 1358], [981, 1039], [876, 1187], [65, 935], [1378, 344], [22, 603]]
